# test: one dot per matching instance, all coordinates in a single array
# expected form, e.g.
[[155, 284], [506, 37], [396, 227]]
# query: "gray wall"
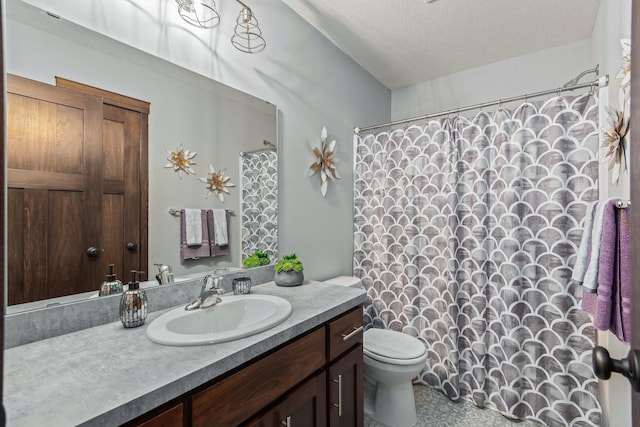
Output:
[[309, 79]]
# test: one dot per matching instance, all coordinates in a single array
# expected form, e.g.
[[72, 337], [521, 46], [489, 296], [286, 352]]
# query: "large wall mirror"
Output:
[[229, 130]]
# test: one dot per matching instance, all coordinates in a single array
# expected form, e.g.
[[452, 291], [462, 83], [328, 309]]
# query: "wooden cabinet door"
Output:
[[54, 186], [305, 407], [171, 417], [345, 385]]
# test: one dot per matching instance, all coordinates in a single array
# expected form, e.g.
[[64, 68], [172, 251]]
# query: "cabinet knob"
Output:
[[132, 246], [93, 252], [287, 421], [339, 404], [347, 337]]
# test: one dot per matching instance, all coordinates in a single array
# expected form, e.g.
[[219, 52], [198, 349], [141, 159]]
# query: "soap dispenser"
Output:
[[133, 304], [111, 285]]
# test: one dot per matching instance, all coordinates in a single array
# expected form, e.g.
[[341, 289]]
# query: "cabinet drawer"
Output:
[[234, 399], [345, 332]]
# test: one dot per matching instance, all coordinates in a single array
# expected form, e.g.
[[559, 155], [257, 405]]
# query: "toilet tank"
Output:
[[349, 281]]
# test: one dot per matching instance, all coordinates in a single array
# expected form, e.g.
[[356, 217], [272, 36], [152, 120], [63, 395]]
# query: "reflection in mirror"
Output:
[[185, 109], [259, 192]]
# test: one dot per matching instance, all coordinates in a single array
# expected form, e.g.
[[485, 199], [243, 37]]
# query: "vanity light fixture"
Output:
[[247, 36], [199, 13]]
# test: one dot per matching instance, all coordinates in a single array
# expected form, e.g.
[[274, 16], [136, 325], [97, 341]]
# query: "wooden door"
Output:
[[345, 389], [54, 169], [125, 179], [304, 407]]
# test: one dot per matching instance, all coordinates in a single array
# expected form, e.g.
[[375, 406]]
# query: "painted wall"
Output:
[[311, 81], [530, 73], [613, 23]]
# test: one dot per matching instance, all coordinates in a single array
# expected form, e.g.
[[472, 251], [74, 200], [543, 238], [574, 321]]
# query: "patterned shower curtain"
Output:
[[465, 234], [259, 190]]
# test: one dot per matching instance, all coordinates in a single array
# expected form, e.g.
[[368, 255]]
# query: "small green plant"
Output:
[[256, 260], [289, 263]]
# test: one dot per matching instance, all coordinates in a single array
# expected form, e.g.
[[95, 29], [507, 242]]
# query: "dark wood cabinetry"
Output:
[[346, 401], [314, 380]]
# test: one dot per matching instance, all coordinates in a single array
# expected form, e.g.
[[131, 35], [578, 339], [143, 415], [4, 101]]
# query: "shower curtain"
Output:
[[259, 192], [465, 234]]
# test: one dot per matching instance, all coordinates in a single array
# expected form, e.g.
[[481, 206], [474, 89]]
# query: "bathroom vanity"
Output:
[[305, 371]]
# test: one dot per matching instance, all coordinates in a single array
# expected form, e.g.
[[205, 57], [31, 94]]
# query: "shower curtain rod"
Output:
[[601, 82], [258, 150]]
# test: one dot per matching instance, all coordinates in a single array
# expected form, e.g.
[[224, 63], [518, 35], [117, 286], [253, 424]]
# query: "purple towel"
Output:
[[194, 252], [607, 268], [216, 250], [623, 313]]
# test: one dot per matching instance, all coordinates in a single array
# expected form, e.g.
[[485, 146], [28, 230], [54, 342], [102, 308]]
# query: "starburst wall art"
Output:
[[217, 182], [325, 162], [181, 161]]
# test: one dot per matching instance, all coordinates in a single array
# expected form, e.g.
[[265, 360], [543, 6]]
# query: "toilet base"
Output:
[[391, 404]]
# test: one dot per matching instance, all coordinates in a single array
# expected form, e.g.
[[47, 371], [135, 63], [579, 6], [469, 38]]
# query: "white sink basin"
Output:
[[237, 316]]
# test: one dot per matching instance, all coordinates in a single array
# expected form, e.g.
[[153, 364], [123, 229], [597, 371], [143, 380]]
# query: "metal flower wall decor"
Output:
[[181, 161], [616, 136], [325, 162], [217, 182]]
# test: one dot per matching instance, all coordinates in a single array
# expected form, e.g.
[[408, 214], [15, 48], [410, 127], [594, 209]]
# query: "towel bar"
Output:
[[623, 204], [176, 212]]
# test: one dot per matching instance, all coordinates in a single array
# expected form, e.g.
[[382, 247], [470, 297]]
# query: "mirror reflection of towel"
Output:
[[193, 226], [221, 237], [194, 252], [216, 248]]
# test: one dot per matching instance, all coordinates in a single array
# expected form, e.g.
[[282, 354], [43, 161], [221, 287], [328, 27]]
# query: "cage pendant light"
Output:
[[199, 13], [247, 36]]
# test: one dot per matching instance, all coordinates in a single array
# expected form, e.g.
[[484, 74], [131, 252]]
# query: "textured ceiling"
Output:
[[402, 42]]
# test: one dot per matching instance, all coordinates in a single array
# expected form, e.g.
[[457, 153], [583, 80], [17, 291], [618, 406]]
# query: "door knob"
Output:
[[132, 246], [93, 252], [604, 365]]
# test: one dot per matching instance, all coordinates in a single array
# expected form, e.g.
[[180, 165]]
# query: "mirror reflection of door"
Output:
[[77, 187]]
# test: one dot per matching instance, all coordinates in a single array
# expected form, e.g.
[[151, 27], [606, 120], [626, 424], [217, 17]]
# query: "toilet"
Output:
[[391, 360]]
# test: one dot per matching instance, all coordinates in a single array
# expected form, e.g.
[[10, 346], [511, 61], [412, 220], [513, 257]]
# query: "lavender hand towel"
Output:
[[194, 252], [215, 249], [582, 258], [590, 283], [623, 326], [607, 268]]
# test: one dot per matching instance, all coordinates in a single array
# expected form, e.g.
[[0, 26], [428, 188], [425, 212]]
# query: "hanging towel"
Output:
[[193, 226], [220, 227], [215, 248], [622, 312], [590, 283], [582, 258], [607, 268], [194, 252]]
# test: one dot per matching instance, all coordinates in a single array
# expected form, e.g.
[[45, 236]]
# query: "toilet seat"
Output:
[[393, 347]]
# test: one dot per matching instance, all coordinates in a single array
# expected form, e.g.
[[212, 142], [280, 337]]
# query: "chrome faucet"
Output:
[[209, 288]]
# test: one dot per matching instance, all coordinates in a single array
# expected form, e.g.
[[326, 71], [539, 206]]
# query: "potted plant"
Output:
[[256, 260], [289, 271]]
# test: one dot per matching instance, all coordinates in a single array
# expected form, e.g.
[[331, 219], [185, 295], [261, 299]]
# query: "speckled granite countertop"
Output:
[[108, 375]]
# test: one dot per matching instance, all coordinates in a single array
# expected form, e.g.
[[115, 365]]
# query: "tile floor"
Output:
[[436, 410]]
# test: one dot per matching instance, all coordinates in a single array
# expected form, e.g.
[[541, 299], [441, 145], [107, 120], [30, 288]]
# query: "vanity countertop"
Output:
[[108, 375]]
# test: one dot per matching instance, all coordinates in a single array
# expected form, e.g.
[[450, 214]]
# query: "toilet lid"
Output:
[[392, 344]]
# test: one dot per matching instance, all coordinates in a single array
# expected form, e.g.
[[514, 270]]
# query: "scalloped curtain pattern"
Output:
[[260, 204], [465, 235]]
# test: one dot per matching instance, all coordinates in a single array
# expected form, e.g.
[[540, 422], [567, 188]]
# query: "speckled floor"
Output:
[[436, 410]]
